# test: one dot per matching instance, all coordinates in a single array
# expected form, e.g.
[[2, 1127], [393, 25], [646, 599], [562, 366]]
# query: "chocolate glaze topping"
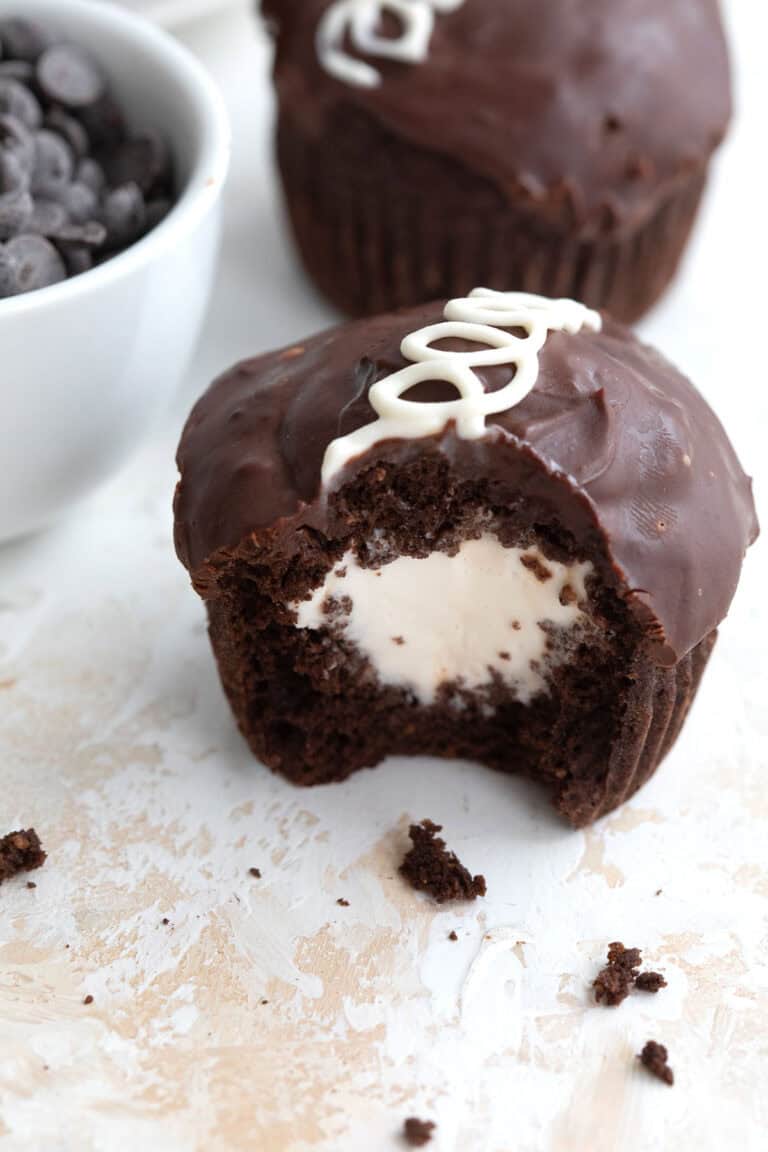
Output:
[[613, 443], [597, 106]]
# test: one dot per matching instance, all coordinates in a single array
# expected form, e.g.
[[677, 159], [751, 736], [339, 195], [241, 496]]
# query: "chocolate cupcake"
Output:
[[556, 146], [530, 576]]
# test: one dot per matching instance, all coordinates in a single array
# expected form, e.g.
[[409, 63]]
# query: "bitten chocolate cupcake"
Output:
[[529, 574], [555, 146]]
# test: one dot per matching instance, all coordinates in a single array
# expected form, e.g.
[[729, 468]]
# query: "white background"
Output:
[[116, 744]]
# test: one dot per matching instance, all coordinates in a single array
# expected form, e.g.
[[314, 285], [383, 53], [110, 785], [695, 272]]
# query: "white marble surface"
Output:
[[116, 744]]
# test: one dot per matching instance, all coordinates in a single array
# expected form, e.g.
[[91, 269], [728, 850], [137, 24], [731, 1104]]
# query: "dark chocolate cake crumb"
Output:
[[534, 565], [88, 1000], [654, 1058], [342, 902], [628, 959], [31, 884], [429, 867], [265, 1001], [568, 595], [166, 920], [416, 1132], [255, 872], [452, 936], [650, 981], [20, 852], [398, 640], [614, 982]]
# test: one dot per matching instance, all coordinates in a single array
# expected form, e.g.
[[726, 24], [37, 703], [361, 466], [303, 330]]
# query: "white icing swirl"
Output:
[[484, 318], [359, 20]]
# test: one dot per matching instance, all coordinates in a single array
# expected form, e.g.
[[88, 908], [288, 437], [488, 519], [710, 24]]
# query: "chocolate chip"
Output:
[[91, 174], [47, 218], [78, 258], [17, 70], [15, 200], [23, 39], [37, 263], [70, 129], [143, 161], [17, 140], [60, 212], [80, 201], [19, 102], [157, 210], [54, 162], [7, 274], [67, 75], [93, 234], [104, 123], [124, 214]]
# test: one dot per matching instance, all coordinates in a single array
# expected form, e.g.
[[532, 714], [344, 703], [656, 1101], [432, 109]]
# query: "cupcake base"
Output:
[[316, 705], [380, 225], [657, 709]]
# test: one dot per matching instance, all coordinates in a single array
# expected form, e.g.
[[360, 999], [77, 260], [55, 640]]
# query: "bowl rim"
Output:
[[210, 165]]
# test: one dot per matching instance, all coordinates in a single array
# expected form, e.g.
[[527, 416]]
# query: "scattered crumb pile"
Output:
[[20, 852], [615, 982], [429, 867], [654, 1058], [417, 1133]]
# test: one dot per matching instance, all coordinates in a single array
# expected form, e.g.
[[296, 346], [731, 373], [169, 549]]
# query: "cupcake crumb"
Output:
[[650, 982], [614, 982], [417, 1133], [654, 1057], [20, 852], [429, 867]]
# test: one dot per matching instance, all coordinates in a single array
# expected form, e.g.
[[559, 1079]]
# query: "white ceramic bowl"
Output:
[[86, 365]]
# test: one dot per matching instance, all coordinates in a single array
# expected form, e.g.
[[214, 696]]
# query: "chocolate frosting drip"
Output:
[[597, 106], [615, 441]]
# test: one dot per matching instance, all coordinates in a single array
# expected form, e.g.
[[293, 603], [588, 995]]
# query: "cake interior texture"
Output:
[[426, 618]]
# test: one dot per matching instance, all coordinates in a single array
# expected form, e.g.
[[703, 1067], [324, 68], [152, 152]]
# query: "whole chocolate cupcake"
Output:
[[530, 575], [558, 146]]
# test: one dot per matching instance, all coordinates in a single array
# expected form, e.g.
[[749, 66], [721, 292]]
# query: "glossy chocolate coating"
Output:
[[597, 107], [613, 443]]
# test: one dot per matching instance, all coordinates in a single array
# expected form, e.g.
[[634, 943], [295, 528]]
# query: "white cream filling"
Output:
[[468, 617]]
